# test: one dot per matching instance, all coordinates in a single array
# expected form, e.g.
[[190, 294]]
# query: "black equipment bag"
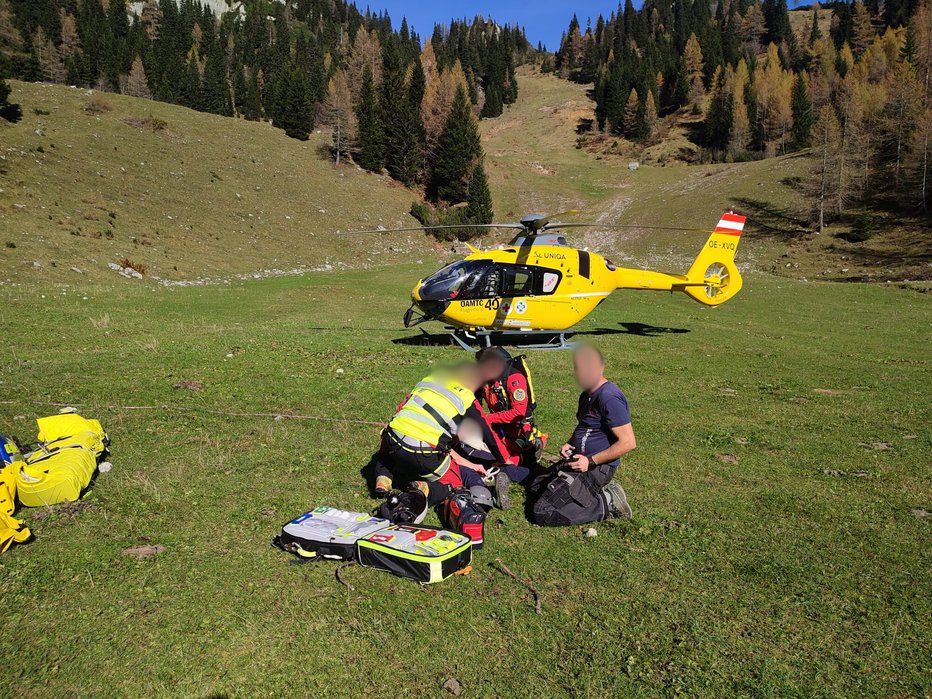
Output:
[[327, 532], [414, 551]]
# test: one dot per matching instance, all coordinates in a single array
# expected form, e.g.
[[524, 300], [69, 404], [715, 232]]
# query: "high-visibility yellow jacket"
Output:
[[430, 414], [11, 529]]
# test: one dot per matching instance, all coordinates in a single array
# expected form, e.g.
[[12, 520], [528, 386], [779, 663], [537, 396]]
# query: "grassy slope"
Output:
[[212, 196], [534, 168], [208, 196], [800, 570]]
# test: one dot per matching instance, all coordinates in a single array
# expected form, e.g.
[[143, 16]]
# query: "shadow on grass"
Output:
[[638, 329], [445, 339], [425, 339], [767, 220]]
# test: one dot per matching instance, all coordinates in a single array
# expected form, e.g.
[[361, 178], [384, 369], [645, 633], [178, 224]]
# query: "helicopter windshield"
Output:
[[454, 281]]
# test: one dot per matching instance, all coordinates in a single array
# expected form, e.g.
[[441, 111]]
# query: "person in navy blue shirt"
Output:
[[584, 490]]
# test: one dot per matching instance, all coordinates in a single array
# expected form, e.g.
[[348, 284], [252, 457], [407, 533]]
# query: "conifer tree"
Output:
[[650, 116], [718, 122], [693, 62], [239, 90], [681, 88], [494, 105], [400, 119], [370, 136], [479, 198], [919, 161], [136, 83], [458, 151], [631, 112], [900, 114], [802, 113], [215, 96], [252, 103], [826, 145], [190, 89], [814, 32], [338, 113], [777, 21], [862, 32], [435, 108], [417, 87], [293, 112], [752, 28]]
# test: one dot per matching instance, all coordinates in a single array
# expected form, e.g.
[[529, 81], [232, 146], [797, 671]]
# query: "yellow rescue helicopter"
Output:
[[541, 285]]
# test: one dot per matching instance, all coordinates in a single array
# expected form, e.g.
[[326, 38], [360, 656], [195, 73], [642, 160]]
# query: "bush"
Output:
[[97, 104], [10, 112], [150, 122], [126, 262], [442, 216]]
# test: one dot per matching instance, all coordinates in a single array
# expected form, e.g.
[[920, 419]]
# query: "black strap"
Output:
[[438, 417]]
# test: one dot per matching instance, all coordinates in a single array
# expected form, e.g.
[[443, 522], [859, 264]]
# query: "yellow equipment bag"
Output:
[[11, 529], [65, 463], [68, 428]]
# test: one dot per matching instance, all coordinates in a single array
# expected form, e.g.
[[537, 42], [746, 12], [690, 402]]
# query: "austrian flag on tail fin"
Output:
[[713, 277], [731, 224]]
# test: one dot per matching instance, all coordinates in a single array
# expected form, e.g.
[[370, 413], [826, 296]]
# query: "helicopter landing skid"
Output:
[[471, 340]]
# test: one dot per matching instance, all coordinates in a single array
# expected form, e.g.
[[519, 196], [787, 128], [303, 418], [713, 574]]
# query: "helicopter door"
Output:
[[490, 285], [518, 281]]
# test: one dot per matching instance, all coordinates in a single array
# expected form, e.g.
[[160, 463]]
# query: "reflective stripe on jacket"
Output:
[[432, 410]]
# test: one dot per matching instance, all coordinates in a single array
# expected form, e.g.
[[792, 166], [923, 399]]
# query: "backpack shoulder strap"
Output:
[[520, 363]]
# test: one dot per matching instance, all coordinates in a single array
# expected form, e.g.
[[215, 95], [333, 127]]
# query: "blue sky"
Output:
[[544, 20]]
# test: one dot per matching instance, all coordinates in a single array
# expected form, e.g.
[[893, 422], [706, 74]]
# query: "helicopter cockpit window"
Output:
[[519, 281], [488, 287], [454, 281]]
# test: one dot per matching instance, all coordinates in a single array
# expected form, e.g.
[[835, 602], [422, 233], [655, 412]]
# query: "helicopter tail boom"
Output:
[[713, 277]]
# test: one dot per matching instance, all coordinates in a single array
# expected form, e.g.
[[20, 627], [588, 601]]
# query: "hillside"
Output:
[[185, 194], [191, 195], [535, 167]]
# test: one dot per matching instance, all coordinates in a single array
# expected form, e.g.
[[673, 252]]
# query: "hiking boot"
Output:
[[617, 501], [500, 492], [420, 486], [538, 449], [383, 486]]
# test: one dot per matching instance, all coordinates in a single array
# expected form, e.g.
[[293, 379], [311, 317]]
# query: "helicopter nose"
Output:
[[416, 292]]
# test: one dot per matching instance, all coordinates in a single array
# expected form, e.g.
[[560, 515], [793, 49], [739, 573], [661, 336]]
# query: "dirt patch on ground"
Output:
[[541, 169], [189, 385], [501, 126], [144, 551], [66, 509]]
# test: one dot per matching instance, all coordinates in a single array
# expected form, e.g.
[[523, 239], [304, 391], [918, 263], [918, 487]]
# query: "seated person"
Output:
[[583, 491], [416, 444]]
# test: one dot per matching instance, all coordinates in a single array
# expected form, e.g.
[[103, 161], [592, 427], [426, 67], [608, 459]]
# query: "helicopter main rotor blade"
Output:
[[568, 212], [557, 224], [425, 229]]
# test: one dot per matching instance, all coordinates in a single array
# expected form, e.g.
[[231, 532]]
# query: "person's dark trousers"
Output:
[[379, 468], [404, 465], [517, 474], [566, 497]]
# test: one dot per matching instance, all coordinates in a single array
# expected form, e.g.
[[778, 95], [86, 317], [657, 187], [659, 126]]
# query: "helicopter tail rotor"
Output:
[[714, 277]]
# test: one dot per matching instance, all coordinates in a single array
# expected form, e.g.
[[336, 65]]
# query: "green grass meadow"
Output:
[[777, 549]]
